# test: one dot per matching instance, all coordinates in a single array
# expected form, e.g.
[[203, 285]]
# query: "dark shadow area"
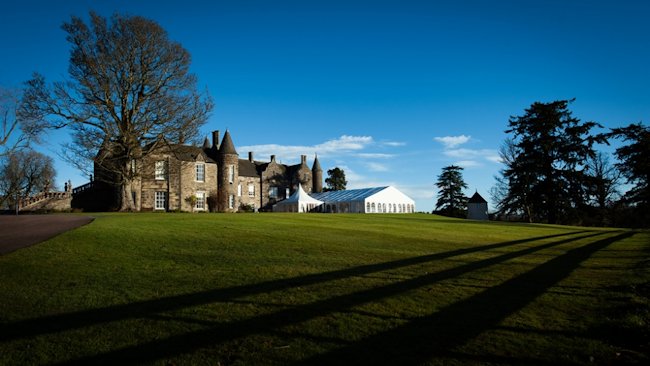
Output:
[[85, 318], [406, 338], [438, 334]]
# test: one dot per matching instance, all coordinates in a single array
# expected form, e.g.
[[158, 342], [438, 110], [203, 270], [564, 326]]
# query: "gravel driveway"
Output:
[[22, 231]]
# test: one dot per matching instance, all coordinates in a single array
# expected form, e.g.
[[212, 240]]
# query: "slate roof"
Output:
[[347, 195], [248, 168], [190, 153], [227, 147], [316, 165], [476, 198]]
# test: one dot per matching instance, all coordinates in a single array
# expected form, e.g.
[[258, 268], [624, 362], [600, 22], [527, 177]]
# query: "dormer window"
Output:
[[161, 170]]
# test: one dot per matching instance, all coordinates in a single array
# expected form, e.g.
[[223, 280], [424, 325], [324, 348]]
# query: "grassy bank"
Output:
[[325, 289]]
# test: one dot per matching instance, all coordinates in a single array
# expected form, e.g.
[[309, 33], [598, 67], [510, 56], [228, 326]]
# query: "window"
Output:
[[251, 190], [368, 207], [200, 201], [231, 173], [161, 170], [287, 193], [160, 201], [231, 201], [273, 192], [133, 166], [200, 172], [239, 190]]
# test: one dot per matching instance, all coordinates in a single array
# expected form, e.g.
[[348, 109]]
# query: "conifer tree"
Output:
[[549, 151], [335, 180], [451, 200]]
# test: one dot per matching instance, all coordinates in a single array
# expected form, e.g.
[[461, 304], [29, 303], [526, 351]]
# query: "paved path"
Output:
[[22, 231]]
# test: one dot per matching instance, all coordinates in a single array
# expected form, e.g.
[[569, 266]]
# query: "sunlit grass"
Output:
[[325, 289]]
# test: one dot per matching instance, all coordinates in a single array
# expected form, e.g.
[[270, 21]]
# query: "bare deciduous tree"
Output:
[[22, 174], [15, 133], [130, 93]]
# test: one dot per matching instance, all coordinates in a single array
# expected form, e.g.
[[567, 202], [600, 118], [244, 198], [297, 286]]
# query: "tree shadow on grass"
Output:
[[436, 335], [85, 318], [410, 343]]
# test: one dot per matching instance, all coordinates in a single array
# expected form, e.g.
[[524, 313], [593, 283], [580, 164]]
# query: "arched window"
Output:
[[367, 207], [372, 207]]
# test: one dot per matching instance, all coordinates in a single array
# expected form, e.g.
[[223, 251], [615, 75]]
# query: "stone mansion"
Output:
[[209, 177]]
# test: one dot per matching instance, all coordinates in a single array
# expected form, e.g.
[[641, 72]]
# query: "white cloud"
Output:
[[468, 163], [375, 155], [471, 157], [376, 167], [394, 143], [452, 141], [495, 158], [287, 153]]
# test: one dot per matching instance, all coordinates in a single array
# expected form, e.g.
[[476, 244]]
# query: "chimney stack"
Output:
[[250, 156], [303, 159], [273, 158], [215, 139]]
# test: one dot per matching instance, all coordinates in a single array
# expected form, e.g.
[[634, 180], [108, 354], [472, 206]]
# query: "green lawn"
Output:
[[254, 289]]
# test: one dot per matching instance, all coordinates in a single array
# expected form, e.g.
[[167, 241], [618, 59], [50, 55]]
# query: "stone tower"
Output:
[[317, 176], [227, 175]]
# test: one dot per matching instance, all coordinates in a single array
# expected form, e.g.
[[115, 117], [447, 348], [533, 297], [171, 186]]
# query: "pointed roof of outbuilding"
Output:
[[316, 165], [227, 147], [206, 144], [477, 198]]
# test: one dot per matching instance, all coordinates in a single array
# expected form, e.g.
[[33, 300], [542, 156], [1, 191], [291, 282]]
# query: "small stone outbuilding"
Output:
[[477, 208]]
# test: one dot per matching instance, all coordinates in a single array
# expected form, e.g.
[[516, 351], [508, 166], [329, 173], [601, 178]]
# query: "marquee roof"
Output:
[[347, 195]]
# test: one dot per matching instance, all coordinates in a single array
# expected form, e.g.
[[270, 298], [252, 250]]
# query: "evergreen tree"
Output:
[[335, 180], [451, 200], [545, 176], [635, 166]]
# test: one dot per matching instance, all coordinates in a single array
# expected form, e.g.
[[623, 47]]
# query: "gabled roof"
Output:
[[248, 168], [189, 153], [347, 195], [476, 198]]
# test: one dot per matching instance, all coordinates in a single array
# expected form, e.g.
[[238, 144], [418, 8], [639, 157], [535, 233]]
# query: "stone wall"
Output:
[[179, 183], [255, 200]]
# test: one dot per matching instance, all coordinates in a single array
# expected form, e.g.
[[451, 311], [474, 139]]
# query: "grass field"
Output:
[[255, 289]]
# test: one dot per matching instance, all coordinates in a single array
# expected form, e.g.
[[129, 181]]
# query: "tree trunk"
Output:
[[126, 198]]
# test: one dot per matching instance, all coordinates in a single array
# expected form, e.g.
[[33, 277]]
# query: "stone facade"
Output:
[[215, 173]]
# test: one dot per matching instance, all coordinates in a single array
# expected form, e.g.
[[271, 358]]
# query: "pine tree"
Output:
[[451, 200], [545, 175]]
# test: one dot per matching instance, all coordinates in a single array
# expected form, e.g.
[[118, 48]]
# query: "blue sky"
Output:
[[390, 91]]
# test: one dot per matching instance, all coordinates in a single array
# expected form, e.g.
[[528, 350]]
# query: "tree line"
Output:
[[554, 174]]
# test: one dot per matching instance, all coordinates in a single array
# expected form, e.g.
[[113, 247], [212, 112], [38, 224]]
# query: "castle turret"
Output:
[[317, 176], [228, 175]]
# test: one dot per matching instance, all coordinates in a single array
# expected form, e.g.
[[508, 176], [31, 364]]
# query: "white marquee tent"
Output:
[[299, 201], [368, 200]]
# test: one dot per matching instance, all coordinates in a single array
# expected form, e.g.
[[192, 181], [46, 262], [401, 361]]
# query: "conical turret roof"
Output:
[[206, 143], [316, 165], [227, 147]]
